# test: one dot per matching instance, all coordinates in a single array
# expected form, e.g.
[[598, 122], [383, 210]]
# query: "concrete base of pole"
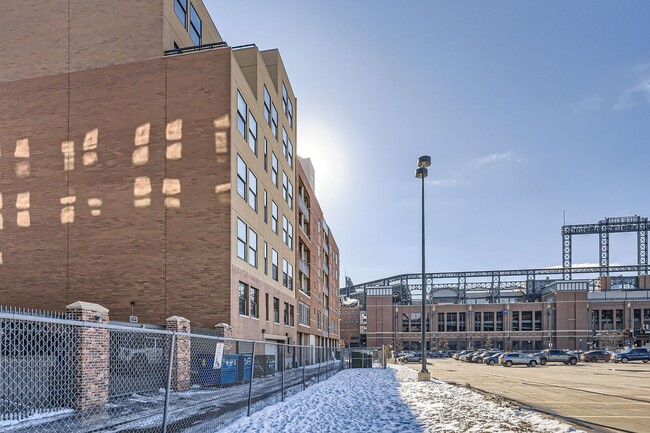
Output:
[[424, 376]]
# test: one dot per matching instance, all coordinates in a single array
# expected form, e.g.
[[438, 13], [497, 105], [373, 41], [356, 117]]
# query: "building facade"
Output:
[[568, 316], [147, 166], [317, 266]]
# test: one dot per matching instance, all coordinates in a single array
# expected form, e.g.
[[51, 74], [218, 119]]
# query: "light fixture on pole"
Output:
[[421, 173]]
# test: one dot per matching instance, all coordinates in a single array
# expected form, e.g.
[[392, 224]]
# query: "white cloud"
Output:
[[638, 91], [447, 182], [590, 103], [493, 158]]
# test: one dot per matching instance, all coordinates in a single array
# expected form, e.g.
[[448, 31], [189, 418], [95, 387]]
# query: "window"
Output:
[[477, 321], [285, 229], [252, 190], [255, 299], [266, 159], [196, 28], [318, 320], [290, 112], [285, 98], [274, 217], [274, 121], [274, 264], [267, 106], [266, 306], [290, 152], [526, 320], [290, 236], [452, 324], [252, 133], [274, 169], [241, 239], [287, 147], [180, 7], [441, 322], [286, 314], [266, 208], [266, 258], [242, 108], [538, 321], [276, 310], [242, 169], [285, 272], [243, 299], [461, 322], [291, 314], [290, 274], [488, 321], [303, 314], [285, 186], [252, 248]]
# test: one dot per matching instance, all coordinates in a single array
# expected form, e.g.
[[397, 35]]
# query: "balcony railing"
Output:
[[303, 267], [303, 207], [212, 46]]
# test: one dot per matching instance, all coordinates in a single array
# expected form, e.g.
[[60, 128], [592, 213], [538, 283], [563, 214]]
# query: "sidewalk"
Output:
[[391, 400]]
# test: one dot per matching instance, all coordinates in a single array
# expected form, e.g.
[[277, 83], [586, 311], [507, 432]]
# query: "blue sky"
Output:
[[528, 109]]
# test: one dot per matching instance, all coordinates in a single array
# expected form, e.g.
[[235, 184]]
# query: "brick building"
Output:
[[569, 316], [146, 166], [318, 266]]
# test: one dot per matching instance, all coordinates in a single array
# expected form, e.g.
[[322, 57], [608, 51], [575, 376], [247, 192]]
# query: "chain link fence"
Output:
[[61, 375]]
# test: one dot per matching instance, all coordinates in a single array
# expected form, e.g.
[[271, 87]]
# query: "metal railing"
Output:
[[142, 379]]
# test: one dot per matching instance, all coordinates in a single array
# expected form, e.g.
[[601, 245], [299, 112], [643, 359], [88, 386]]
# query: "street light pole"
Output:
[[421, 173]]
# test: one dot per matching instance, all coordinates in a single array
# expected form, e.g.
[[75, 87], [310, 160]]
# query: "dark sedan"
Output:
[[595, 356]]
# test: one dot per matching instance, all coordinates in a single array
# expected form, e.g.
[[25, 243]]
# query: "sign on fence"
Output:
[[218, 356]]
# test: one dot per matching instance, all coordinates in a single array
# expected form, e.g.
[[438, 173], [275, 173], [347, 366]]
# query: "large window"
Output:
[[255, 299], [515, 321], [287, 190], [243, 299], [242, 170], [526, 320], [287, 106], [274, 217], [303, 314], [241, 239], [274, 121], [252, 133], [252, 248], [180, 7], [196, 27], [461, 322], [488, 321], [499, 325], [452, 324], [291, 315], [285, 229], [538, 320], [441, 322], [287, 147], [252, 190], [267, 106], [286, 314], [274, 169], [276, 310], [285, 272], [274, 264], [242, 108]]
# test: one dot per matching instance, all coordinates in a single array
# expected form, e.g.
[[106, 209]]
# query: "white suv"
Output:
[[510, 359]]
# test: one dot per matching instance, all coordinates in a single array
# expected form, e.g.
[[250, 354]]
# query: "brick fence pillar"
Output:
[[225, 330], [182, 353], [92, 351]]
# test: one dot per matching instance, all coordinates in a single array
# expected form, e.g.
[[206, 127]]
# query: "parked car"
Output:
[[595, 356], [556, 355], [457, 355], [510, 359], [492, 359], [481, 358], [411, 357], [638, 354]]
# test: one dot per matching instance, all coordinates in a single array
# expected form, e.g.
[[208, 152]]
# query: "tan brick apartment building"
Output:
[[318, 266], [158, 184], [569, 316]]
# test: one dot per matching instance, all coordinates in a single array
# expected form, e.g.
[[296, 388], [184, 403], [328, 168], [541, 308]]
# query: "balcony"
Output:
[[303, 267], [303, 207], [326, 247]]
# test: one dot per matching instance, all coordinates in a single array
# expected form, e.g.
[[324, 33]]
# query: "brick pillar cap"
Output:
[[222, 325], [87, 306], [177, 319]]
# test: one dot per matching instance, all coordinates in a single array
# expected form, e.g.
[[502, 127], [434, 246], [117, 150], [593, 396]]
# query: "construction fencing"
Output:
[[62, 375]]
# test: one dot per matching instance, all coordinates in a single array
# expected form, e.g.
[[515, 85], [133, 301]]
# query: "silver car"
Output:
[[510, 359]]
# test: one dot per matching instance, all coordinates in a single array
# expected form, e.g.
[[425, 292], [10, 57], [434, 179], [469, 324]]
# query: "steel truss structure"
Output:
[[497, 284]]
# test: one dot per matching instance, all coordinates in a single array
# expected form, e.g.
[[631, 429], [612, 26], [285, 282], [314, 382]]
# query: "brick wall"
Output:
[[167, 251]]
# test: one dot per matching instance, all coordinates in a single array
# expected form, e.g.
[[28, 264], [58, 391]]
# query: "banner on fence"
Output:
[[218, 356]]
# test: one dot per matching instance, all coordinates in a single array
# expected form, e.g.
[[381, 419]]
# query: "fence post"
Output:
[[250, 384], [170, 368], [302, 359], [182, 348], [283, 367], [93, 355]]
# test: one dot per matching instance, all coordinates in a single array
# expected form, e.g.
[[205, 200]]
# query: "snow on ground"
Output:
[[391, 400]]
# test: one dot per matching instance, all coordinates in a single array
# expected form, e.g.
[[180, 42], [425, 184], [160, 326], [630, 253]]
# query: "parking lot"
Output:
[[605, 396]]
